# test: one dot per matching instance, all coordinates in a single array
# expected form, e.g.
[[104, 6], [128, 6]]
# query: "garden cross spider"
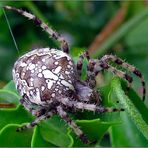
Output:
[[49, 81]]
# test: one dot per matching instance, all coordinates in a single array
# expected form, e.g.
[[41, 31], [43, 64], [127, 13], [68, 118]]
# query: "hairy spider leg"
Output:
[[29, 106], [91, 75], [36, 121], [26, 104], [127, 66], [99, 65], [73, 125], [80, 62], [45, 27], [86, 106]]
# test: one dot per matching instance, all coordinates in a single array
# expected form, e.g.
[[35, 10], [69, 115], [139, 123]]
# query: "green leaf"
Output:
[[14, 116], [11, 86], [127, 134], [38, 141], [130, 108], [94, 129], [54, 131], [10, 138], [139, 104], [96, 125], [9, 94]]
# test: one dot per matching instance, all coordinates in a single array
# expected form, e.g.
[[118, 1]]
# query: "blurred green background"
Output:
[[121, 28], [80, 22]]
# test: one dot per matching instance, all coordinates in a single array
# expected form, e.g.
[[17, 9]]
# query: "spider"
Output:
[[49, 81]]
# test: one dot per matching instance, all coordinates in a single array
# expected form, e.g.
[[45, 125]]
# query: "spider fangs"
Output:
[[48, 81]]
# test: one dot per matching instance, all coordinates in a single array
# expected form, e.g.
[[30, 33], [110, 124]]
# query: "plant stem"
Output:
[[109, 28], [130, 108], [125, 28], [6, 105]]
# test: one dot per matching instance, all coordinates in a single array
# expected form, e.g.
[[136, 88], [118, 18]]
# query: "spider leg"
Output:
[[89, 107], [38, 22], [91, 75], [117, 72], [30, 107], [26, 104], [99, 65], [73, 125], [127, 66], [36, 121], [80, 62]]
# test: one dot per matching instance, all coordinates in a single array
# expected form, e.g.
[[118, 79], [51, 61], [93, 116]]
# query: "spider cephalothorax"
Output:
[[49, 81]]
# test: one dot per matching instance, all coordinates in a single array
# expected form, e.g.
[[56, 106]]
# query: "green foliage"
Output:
[[15, 139], [122, 31], [135, 120], [54, 132], [80, 22], [131, 109]]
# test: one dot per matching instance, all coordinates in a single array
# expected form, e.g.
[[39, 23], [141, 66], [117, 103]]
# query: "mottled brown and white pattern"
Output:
[[43, 74], [49, 81]]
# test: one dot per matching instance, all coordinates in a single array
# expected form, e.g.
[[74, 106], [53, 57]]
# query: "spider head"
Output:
[[85, 93]]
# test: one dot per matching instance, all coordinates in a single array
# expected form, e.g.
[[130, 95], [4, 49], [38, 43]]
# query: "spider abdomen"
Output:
[[44, 74]]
